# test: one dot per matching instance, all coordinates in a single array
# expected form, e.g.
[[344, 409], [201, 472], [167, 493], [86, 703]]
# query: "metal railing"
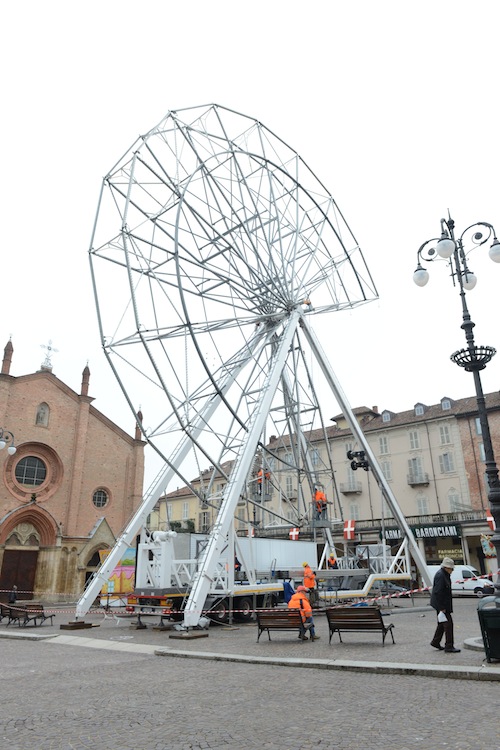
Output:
[[466, 516]]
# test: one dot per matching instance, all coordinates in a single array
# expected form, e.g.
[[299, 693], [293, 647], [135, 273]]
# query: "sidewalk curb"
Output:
[[422, 670], [23, 635]]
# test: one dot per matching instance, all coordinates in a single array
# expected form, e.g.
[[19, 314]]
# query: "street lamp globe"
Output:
[[445, 247], [494, 251], [7, 437], [421, 276], [469, 280]]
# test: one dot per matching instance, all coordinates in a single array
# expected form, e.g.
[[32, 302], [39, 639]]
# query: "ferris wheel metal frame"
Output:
[[219, 246]]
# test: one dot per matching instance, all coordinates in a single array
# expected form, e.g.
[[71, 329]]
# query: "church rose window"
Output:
[[100, 498], [30, 471]]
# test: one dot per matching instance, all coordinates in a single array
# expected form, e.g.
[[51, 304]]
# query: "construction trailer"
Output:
[[248, 575]]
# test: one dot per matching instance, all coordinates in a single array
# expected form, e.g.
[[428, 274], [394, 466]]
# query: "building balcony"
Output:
[[351, 488], [417, 479], [261, 497]]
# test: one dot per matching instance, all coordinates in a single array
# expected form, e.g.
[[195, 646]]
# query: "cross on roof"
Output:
[[50, 350]]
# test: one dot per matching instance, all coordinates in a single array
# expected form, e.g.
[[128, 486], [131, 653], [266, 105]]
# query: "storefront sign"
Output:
[[427, 532], [456, 553]]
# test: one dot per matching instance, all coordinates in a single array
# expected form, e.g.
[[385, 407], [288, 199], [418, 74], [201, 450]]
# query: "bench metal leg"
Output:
[[260, 633], [388, 630]]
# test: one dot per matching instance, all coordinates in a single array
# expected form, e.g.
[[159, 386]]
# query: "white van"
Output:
[[462, 581]]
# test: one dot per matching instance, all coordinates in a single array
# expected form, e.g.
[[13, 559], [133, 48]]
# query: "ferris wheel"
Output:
[[213, 248], [211, 236]]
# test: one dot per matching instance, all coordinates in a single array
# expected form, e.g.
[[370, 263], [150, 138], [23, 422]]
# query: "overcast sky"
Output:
[[393, 105]]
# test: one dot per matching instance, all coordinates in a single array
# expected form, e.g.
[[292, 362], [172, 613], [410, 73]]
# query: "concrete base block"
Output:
[[189, 635]]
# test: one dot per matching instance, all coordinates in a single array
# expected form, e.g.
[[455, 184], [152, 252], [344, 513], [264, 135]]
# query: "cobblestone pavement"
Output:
[[58, 697], [114, 693]]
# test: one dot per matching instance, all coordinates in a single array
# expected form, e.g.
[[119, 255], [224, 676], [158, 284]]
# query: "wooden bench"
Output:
[[8, 613], [34, 612], [280, 619], [357, 620], [23, 614]]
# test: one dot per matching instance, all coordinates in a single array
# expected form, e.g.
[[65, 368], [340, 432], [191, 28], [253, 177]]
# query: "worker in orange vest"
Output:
[[321, 503], [310, 581], [260, 476], [332, 561], [300, 600]]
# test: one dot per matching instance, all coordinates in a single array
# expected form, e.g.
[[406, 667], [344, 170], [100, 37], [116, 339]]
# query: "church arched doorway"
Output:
[[20, 559]]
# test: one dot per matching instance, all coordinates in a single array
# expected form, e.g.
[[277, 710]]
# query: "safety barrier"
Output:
[[106, 610]]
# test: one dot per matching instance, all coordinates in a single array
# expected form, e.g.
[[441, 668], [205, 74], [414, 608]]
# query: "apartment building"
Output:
[[431, 455]]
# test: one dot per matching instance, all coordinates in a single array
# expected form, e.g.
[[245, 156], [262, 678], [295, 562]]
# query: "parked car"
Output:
[[466, 580], [389, 587]]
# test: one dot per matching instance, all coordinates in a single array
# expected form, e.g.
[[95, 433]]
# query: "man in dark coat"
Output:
[[441, 600]]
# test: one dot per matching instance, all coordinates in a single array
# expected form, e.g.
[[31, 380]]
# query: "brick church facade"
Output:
[[68, 490]]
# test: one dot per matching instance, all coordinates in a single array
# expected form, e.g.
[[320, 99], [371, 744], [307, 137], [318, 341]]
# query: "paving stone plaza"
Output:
[[112, 686]]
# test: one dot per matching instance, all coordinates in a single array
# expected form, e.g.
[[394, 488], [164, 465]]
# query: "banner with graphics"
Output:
[[121, 580], [487, 546]]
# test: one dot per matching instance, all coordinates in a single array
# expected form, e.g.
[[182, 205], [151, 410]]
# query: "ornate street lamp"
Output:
[[473, 358], [5, 438]]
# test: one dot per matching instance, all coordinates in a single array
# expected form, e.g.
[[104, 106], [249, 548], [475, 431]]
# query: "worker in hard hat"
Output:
[[332, 562], [300, 601]]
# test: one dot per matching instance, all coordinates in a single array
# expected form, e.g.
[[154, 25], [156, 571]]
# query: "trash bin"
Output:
[[488, 611]]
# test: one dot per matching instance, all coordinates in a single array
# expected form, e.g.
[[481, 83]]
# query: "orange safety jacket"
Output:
[[320, 499], [300, 601], [309, 578], [260, 474]]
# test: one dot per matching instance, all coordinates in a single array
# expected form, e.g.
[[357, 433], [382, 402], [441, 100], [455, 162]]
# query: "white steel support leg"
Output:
[[138, 520], [239, 474], [358, 433]]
